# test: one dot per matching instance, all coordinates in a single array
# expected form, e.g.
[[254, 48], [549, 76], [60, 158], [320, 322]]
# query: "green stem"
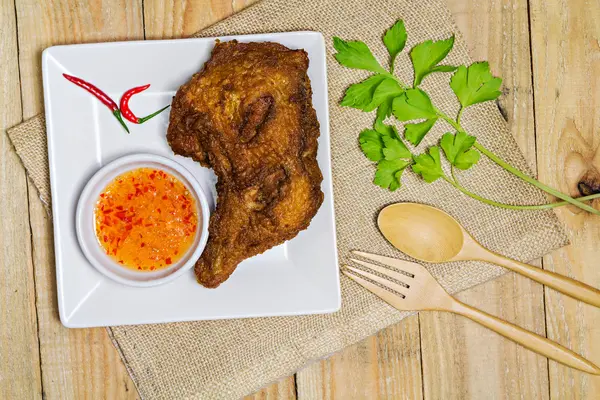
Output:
[[453, 175], [567, 199], [516, 172], [533, 181], [449, 120], [511, 206], [154, 114], [117, 115], [459, 114]]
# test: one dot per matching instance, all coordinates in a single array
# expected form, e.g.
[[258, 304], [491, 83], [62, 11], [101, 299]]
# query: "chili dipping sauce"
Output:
[[146, 219]]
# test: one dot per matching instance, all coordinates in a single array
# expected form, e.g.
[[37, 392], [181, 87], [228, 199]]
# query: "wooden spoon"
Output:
[[429, 234]]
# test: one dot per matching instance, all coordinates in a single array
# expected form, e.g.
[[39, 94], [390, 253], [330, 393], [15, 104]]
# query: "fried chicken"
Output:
[[248, 115]]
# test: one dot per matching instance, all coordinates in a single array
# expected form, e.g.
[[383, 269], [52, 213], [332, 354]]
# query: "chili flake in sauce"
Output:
[[146, 219]]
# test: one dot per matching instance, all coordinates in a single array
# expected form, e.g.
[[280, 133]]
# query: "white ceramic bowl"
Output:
[[86, 234]]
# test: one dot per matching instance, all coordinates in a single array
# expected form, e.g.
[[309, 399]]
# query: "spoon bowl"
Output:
[[421, 231], [431, 235]]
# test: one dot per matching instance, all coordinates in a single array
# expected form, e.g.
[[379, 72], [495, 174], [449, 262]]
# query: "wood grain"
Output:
[[383, 366], [285, 389], [566, 72], [175, 19], [239, 5], [75, 363], [460, 359], [20, 374]]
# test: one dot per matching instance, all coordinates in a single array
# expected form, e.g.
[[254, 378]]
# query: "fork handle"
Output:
[[527, 339], [570, 287]]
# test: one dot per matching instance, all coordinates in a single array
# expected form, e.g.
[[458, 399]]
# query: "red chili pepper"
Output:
[[128, 114], [100, 95]]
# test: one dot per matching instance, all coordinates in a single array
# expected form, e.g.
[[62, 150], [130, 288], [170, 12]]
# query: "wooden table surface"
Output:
[[548, 53]]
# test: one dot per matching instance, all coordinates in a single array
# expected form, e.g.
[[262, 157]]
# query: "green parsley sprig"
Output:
[[384, 92]]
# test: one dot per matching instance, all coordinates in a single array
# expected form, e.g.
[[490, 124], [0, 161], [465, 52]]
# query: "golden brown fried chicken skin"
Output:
[[248, 115]]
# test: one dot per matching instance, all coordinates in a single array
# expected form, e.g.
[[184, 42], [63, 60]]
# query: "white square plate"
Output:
[[298, 277]]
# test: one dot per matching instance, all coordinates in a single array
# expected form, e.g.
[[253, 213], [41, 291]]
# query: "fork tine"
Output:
[[387, 296], [384, 282], [406, 266], [385, 271]]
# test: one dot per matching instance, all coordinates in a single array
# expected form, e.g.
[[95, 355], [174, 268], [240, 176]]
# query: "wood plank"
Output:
[[75, 363], [461, 359], [20, 378], [285, 389], [383, 366], [566, 71], [173, 19], [239, 5]]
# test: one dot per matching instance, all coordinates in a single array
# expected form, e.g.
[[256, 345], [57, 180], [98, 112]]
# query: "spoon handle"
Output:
[[527, 339], [570, 287]]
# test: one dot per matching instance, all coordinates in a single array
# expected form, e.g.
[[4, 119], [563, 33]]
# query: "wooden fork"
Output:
[[417, 290]]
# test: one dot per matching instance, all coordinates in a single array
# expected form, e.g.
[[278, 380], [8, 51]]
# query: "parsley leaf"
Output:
[[475, 84], [425, 57], [383, 111], [371, 144], [386, 130], [429, 165], [370, 93], [356, 55], [360, 95], [413, 104], [471, 85], [395, 39], [387, 89], [394, 148], [388, 173], [458, 149], [414, 133]]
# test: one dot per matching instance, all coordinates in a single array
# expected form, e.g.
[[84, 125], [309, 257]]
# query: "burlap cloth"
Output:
[[230, 358]]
